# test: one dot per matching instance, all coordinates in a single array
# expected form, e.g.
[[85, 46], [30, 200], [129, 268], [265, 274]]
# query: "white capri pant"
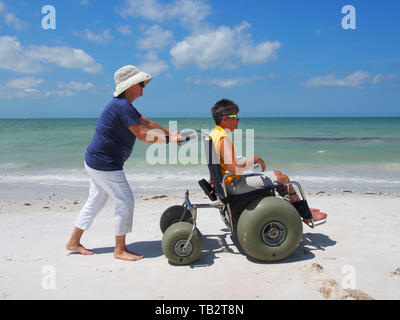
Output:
[[102, 185]]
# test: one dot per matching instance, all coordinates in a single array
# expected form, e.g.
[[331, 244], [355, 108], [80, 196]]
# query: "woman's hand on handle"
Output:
[[175, 137]]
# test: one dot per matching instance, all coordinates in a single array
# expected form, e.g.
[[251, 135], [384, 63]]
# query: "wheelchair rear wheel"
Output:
[[270, 231]]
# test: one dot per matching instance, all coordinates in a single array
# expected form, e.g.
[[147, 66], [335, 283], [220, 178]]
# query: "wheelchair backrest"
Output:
[[214, 167]]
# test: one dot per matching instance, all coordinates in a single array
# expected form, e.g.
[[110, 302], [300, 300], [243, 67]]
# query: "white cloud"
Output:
[[13, 21], [14, 57], [153, 65], [10, 18], [225, 82], [355, 79], [66, 57], [260, 53], [190, 13], [99, 38], [384, 77], [206, 47], [19, 59], [24, 83], [224, 47], [124, 29], [149, 9], [26, 88], [28, 93], [206, 50], [75, 86], [273, 75], [155, 38], [21, 88]]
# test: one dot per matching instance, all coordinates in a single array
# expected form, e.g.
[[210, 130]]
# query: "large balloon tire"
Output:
[[173, 215], [269, 230], [174, 239]]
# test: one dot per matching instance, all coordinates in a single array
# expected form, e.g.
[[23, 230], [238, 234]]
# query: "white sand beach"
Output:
[[355, 255]]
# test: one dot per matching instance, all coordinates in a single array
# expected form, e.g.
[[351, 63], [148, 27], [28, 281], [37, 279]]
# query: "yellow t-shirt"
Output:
[[216, 135]]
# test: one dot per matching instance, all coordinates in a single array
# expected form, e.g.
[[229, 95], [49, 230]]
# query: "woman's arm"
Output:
[[149, 125], [148, 136]]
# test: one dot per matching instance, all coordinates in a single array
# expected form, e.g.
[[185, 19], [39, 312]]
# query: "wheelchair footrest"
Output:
[[303, 209], [208, 189]]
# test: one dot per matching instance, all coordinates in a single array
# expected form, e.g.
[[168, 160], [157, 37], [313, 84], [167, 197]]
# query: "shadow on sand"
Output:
[[216, 244], [150, 249], [308, 243]]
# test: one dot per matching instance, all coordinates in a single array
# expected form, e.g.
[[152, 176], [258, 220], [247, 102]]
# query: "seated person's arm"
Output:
[[229, 159]]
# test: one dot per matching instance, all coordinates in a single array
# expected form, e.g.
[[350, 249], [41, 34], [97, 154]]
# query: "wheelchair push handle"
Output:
[[184, 139], [189, 134]]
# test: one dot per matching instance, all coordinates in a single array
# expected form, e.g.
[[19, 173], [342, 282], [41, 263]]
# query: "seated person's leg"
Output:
[[282, 178], [248, 183], [316, 213]]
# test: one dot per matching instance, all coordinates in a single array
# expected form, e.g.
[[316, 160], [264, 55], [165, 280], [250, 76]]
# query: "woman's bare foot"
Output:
[[127, 255], [121, 252], [79, 248], [74, 243]]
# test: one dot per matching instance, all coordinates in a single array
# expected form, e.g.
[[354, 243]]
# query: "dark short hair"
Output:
[[224, 107]]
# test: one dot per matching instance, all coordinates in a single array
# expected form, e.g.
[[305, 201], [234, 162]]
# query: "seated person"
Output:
[[226, 116]]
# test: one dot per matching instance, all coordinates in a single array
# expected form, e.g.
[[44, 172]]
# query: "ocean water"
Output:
[[329, 154]]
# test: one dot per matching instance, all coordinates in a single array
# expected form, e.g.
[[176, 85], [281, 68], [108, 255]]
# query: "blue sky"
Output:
[[274, 58]]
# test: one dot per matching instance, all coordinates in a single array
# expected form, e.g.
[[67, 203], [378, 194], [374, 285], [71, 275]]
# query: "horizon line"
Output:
[[207, 117]]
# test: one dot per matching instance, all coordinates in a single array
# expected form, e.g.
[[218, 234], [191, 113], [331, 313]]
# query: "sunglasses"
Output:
[[234, 116], [142, 84]]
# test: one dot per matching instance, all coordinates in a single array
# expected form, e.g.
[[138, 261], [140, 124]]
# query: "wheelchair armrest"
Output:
[[227, 174]]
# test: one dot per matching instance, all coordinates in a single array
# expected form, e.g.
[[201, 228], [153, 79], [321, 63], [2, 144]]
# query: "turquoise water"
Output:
[[333, 153]]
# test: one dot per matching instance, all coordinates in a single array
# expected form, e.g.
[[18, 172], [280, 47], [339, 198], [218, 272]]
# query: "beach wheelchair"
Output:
[[268, 228]]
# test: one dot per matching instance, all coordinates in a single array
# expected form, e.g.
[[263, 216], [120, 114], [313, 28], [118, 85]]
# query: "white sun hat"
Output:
[[127, 76]]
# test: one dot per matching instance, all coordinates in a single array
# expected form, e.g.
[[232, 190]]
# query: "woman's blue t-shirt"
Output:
[[113, 142]]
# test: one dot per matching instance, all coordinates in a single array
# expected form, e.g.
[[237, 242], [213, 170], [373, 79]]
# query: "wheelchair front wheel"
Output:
[[174, 240]]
